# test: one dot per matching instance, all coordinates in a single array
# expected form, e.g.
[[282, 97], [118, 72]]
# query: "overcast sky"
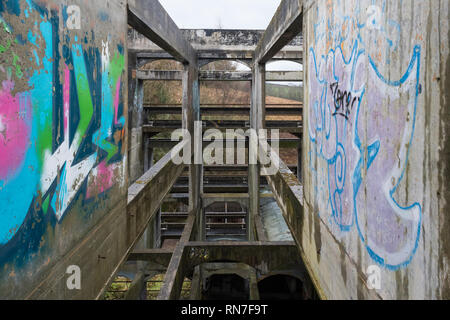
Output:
[[227, 14]]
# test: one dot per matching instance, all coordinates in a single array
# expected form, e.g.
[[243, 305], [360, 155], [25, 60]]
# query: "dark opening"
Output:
[[226, 287], [281, 287]]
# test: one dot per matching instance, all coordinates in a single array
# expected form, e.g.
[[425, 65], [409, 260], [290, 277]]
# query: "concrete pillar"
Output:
[[196, 285], [299, 157], [137, 290], [191, 114], [146, 150], [136, 143], [253, 283], [257, 121], [135, 101]]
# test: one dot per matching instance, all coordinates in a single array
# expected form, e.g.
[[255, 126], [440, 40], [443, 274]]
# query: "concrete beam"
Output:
[[214, 41], [204, 56], [225, 76], [284, 27], [159, 75], [265, 257], [294, 110], [288, 76], [150, 19], [167, 143], [159, 256], [158, 126], [147, 194]]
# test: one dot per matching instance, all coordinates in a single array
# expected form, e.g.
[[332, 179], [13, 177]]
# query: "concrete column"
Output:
[[257, 121], [137, 290], [135, 100], [196, 286], [253, 283], [191, 114], [146, 150], [136, 143], [299, 157]]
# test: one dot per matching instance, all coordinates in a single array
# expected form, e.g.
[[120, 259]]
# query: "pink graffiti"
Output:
[[66, 97], [102, 180], [15, 128]]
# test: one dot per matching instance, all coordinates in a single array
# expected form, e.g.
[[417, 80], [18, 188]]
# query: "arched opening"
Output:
[[281, 287], [284, 65], [226, 287], [225, 65], [163, 65]]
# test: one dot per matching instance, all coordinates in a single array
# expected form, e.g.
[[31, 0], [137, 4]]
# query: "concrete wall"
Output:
[[376, 146], [63, 125]]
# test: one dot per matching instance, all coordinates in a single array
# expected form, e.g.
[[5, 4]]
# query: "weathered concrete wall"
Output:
[[62, 144], [376, 146]]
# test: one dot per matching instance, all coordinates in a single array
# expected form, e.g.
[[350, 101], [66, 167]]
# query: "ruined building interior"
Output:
[[357, 208]]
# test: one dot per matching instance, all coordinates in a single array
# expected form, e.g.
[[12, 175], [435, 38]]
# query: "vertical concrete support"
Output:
[[253, 282], [136, 147], [132, 85], [299, 160], [257, 121], [137, 290], [196, 287], [191, 114]]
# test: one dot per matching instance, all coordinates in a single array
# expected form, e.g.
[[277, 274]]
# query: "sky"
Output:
[[224, 14]]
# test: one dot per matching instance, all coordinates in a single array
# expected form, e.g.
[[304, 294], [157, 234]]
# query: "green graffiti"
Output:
[[8, 48], [117, 66], [84, 94], [19, 73], [116, 69], [45, 205], [3, 49]]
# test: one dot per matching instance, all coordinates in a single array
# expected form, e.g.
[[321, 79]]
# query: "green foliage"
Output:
[[284, 91]]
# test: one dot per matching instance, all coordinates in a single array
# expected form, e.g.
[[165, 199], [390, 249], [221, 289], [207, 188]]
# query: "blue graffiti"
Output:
[[345, 172]]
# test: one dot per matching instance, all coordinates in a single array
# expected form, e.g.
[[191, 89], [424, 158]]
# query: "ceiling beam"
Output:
[[286, 24], [149, 18]]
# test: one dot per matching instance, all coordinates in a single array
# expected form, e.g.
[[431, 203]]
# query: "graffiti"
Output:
[[361, 126], [61, 139], [372, 27], [344, 101]]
